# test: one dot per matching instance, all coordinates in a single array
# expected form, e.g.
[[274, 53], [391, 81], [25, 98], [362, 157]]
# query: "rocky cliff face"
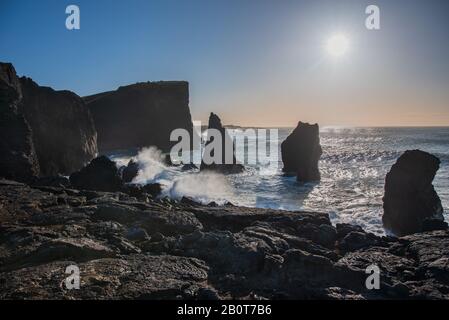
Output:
[[18, 158], [411, 203], [139, 115], [64, 134], [301, 152]]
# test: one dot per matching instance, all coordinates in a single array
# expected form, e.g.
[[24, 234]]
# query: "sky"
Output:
[[253, 62]]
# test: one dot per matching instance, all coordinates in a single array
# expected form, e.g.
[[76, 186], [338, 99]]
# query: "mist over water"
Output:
[[353, 167]]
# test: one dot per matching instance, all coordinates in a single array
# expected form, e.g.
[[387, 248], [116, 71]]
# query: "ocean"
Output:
[[353, 167]]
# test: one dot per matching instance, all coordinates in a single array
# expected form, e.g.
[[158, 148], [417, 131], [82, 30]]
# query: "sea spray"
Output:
[[203, 187]]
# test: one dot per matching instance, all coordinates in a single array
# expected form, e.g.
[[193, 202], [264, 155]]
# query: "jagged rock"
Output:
[[301, 152], [100, 175], [188, 167], [64, 134], [18, 158], [153, 189], [146, 114], [136, 277], [130, 249], [227, 162], [410, 197], [130, 171]]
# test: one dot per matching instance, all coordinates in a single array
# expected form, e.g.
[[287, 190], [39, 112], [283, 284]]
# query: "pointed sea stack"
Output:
[[226, 144], [301, 152], [411, 204]]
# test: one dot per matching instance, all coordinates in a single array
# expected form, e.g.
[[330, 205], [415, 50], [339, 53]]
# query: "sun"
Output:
[[337, 45]]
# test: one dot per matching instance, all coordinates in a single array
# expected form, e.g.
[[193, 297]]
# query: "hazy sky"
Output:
[[254, 62]]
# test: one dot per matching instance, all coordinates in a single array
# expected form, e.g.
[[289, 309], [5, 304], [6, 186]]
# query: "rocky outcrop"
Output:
[[101, 174], [44, 132], [226, 163], [301, 152], [164, 249], [130, 171], [410, 200], [141, 115], [64, 134], [18, 158]]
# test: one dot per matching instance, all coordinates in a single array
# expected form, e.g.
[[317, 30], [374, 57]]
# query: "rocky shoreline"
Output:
[[129, 248]]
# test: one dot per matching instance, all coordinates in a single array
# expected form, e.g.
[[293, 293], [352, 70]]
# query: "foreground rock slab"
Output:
[[164, 249]]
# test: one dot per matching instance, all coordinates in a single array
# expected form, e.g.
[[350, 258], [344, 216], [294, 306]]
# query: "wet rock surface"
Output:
[[163, 249]]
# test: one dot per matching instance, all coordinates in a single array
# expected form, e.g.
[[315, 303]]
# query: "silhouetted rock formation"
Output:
[[44, 131], [410, 199], [64, 134], [301, 152], [100, 175], [227, 167], [140, 115], [18, 158]]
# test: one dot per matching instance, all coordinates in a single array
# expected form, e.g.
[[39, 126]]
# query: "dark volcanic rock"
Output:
[[64, 134], [227, 163], [44, 132], [154, 249], [410, 197], [301, 152], [140, 115], [100, 175], [18, 158], [130, 171]]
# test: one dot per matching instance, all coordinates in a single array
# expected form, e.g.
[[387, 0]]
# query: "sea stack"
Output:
[[141, 115], [301, 152], [227, 144], [411, 204]]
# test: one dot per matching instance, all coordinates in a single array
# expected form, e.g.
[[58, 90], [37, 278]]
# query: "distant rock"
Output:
[[410, 199], [18, 159], [226, 144], [301, 152], [100, 175], [141, 115]]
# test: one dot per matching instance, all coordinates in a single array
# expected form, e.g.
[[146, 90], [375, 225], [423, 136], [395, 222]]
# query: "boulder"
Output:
[[410, 197], [100, 175], [226, 144], [301, 152], [130, 171], [146, 114], [18, 159]]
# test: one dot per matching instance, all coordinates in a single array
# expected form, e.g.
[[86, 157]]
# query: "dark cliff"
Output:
[[142, 114], [43, 131], [18, 158], [64, 134]]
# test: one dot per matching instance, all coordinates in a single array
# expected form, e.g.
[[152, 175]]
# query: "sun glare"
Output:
[[337, 45]]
